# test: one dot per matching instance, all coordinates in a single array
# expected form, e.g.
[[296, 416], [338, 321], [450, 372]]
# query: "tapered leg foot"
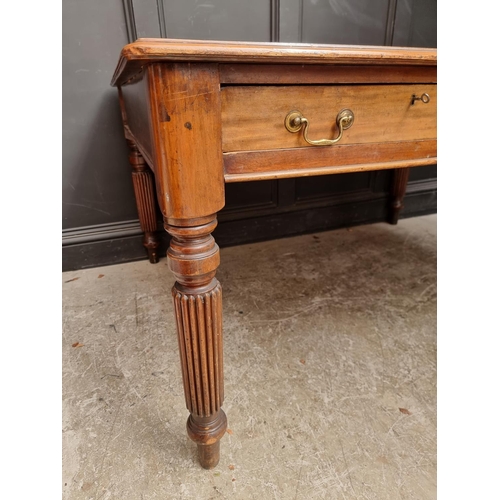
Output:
[[206, 432], [398, 190], [209, 455], [143, 182]]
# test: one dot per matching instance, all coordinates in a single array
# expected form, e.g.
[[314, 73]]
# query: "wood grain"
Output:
[[253, 117], [136, 56], [136, 107], [185, 108], [292, 74], [300, 162]]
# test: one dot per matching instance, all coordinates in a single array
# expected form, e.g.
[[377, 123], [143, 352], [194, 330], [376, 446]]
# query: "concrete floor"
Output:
[[330, 373]]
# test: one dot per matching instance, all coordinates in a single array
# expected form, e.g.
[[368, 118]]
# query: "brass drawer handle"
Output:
[[425, 98], [294, 121]]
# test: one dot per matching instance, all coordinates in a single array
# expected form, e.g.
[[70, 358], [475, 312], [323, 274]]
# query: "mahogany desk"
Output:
[[199, 114]]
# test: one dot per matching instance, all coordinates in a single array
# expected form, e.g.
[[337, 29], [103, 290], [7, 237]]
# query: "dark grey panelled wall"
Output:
[[100, 223], [96, 188]]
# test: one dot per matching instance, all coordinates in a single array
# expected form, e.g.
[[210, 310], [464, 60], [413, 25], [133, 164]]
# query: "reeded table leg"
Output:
[[143, 181], [193, 257], [398, 190]]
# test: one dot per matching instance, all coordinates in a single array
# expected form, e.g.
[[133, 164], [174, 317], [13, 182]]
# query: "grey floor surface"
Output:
[[330, 373]]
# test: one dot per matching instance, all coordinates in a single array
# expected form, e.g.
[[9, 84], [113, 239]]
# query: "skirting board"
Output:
[[95, 246]]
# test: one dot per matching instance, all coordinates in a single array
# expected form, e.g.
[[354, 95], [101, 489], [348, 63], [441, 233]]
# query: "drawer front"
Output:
[[253, 118]]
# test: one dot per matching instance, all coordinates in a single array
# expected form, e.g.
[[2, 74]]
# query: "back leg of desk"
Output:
[[398, 190], [143, 181]]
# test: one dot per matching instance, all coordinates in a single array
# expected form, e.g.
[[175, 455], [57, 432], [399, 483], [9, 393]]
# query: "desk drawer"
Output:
[[253, 117]]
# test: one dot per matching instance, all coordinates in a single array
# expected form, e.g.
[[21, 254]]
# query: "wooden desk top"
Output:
[[203, 113], [136, 55]]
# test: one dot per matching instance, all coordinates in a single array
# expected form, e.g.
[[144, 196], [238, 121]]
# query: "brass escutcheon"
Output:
[[295, 120]]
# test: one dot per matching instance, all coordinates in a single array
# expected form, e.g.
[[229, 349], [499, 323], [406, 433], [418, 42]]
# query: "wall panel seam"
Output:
[[128, 11]]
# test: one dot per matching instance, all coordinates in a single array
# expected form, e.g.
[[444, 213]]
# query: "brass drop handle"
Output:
[[294, 121], [425, 98]]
